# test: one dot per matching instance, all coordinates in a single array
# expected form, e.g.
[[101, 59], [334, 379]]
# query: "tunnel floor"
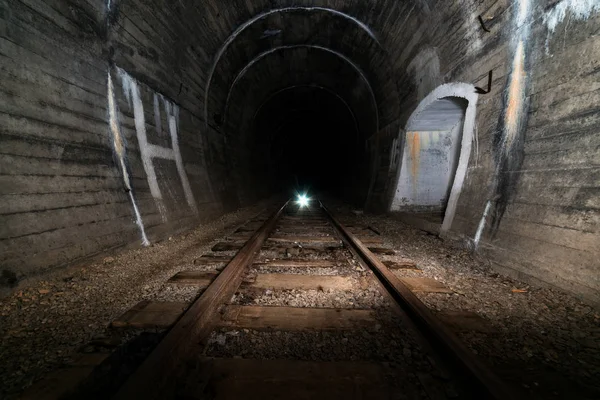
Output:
[[540, 339]]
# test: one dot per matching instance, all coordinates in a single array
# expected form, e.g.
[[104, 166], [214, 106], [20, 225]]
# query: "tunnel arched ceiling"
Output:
[[300, 66], [352, 30], [320, 68]]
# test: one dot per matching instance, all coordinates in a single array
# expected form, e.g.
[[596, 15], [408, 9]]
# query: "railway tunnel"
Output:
[[464, 133]]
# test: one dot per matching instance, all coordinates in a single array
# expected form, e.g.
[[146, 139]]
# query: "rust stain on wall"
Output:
[[516, 98], [414, 145], [512, 124]]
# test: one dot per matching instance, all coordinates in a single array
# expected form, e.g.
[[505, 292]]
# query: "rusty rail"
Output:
[[152, 379], [481, 382]]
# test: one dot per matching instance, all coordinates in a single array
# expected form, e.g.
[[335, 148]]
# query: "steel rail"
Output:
[[481, 381], [152, 380]]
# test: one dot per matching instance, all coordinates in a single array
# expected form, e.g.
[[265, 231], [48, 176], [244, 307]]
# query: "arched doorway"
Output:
[[435, 151]]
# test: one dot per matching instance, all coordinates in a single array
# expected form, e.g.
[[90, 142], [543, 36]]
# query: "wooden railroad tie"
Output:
[[402, 264], [295, 318], [150, 314], [382, 250], [280, 244], [199, 278], [234, 378], [210, 260]]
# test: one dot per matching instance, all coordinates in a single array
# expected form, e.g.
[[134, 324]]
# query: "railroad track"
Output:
[[297, 306]]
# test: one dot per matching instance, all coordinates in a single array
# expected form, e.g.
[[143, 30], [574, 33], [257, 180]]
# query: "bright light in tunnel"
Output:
[[303, 200]]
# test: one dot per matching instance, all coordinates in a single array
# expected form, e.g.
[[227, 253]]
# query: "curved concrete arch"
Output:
[[464, 91], [280, 48], [331, 92], [260, 16]]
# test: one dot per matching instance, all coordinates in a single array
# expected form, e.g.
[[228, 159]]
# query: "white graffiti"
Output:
[[523, 12], [150, 151], [119, 148], [481, 225], [579, 10]]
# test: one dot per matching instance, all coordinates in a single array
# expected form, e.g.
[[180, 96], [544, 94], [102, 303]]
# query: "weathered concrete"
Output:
[[126, 120], [529, 200]]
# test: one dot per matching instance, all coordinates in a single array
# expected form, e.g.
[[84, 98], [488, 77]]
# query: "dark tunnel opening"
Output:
[[306, 138], [298, 117]]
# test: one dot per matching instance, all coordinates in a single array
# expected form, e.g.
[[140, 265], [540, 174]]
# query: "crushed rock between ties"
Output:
[[365, 292], [305, 253], [370, 298], [375, 343]]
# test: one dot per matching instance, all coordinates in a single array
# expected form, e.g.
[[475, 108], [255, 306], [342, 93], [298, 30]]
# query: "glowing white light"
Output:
[[303, 200]]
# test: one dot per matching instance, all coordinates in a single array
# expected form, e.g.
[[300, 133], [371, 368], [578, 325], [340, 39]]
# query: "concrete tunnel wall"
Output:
[[127, 120]]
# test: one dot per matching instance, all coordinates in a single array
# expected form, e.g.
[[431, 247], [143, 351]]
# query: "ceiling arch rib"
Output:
[[299, 66], [318, 26], [242, 73]]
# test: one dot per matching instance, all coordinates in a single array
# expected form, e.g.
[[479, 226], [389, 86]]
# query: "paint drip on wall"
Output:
[[573, 9], [414, 148], [119, 148], [515, 101], [510, 134]]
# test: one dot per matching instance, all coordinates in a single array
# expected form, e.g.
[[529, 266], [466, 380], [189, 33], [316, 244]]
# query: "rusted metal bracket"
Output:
[[482, 22], [489, 85]]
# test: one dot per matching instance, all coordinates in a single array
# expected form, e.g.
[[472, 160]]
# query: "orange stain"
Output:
[[515, 95], [414, 146]]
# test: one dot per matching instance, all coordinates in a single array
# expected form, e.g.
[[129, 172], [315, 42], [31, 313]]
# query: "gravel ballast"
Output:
[[541, 339], [46, 320]]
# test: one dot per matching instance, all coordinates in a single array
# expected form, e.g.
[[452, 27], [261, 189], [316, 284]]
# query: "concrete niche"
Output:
[[435, 152]]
